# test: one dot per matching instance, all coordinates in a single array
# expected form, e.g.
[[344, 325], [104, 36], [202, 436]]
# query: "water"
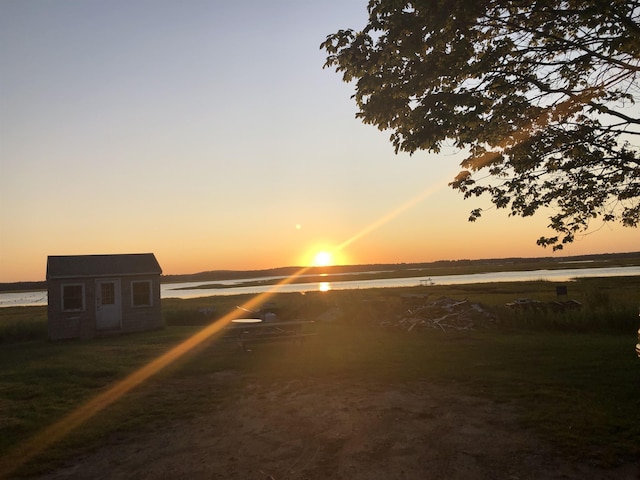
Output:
[[175, 290], [22, 299], [562, 275]]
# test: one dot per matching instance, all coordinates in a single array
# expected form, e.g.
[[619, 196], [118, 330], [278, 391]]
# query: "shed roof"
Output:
[[74, 266]]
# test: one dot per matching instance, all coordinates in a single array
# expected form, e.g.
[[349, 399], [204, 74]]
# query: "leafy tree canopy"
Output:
[[540, 94]]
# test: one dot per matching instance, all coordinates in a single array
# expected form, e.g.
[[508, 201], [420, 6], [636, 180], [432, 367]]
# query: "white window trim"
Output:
[[146, 305], [81, 285]]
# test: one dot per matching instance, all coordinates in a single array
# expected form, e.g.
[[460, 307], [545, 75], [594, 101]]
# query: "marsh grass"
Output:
[[22, 323], [573, 377]]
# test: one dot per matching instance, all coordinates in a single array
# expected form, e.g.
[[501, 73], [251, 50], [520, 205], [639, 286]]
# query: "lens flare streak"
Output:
[[57, 431]]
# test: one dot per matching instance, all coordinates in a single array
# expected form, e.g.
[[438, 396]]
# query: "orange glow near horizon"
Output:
[[322, 259], [37, 444], [392, 214], [323, 255]]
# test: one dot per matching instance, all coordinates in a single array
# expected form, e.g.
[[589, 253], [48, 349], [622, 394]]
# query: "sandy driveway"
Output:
[[336, 430]]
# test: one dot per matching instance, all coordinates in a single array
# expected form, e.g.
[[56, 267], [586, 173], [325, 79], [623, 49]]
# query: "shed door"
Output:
[[108, 305]]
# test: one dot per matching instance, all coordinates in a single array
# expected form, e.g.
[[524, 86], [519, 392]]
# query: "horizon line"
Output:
[[327, 267]]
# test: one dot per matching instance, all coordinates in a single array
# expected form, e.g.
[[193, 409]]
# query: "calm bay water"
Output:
[[188, 290]]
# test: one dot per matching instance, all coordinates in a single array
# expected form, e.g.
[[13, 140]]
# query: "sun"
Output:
[[322, 259]]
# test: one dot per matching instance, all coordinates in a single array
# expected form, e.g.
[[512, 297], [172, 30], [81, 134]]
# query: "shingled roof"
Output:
[[74, 266]]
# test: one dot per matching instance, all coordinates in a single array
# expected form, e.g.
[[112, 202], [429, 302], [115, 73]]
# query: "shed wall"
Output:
[[77, 324], [135, 319], [82, 324]]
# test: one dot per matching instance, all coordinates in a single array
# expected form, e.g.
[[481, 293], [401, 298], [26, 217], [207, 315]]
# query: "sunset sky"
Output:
[[208, 133]]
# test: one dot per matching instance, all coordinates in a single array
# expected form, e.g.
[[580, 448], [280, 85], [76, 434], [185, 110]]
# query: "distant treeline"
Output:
[[22, 286], [632, 258], [493, 264]]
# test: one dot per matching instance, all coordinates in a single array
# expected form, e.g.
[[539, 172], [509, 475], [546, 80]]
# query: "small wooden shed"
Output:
[[92, 295]]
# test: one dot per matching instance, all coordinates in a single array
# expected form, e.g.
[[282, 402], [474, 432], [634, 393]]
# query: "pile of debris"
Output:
[[443, 313]]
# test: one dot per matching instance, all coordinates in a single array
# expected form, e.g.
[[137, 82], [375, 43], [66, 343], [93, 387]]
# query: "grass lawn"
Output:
[[574, 378]]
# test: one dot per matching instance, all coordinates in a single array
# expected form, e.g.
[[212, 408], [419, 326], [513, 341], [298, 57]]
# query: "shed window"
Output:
[[72, 298], [108, 291], [141, 294]]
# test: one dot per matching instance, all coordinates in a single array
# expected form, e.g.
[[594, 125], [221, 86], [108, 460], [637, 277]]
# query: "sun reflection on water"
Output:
[[324, 286]]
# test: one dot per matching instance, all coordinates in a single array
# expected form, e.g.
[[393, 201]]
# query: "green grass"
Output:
[[574, 377], [579, 391], [22, 323], [40, 381]]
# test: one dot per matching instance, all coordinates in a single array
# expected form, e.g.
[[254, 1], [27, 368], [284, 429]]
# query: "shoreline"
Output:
[[39, 298], [377, 271]]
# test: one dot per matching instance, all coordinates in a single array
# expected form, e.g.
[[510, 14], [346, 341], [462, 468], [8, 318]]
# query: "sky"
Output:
[[208, 133]]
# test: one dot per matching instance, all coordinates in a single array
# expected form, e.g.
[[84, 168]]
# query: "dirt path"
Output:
[[335, 430]]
